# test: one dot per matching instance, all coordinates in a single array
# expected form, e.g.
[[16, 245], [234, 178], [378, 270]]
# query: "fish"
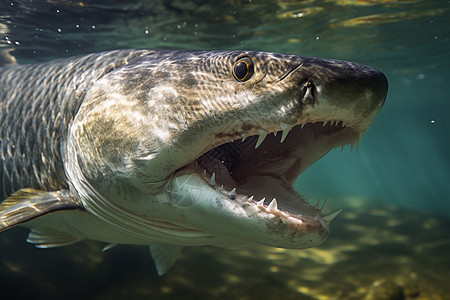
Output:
[[176, 148]]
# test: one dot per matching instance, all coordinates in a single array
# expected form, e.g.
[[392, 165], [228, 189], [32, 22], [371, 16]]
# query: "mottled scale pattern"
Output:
[[37, 106]]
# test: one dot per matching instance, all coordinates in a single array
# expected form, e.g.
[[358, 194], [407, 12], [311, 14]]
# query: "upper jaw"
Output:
[[256, 168]]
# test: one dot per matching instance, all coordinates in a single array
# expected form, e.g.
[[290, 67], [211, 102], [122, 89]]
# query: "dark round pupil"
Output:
[[241, 70]]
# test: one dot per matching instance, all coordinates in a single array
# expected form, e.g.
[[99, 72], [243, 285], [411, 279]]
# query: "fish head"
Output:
[[212, 141]]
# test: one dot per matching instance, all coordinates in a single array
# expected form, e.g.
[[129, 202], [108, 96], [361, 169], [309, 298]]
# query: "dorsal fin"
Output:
[[6, 58], [28, 204]]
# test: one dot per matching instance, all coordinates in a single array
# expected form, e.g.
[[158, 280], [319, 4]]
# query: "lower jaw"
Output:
[[269, 188], [291, 223], [260, 188]]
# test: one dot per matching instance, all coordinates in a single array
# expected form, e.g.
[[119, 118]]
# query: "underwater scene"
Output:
[[392, 239]]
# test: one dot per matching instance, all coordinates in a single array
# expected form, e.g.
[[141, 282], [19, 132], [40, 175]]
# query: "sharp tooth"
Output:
[[204, 173], [250, 199], [324, 203], [331, 217], [244, 136], [286, 128], [302, 125], [359, 140], [262, 136], [232, 194], [212, 180], [353, 145], [324, 123], [261, 202], [284, 135], [317, 204], [273, 206]]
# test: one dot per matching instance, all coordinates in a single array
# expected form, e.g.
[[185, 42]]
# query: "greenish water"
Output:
[[395, 191]]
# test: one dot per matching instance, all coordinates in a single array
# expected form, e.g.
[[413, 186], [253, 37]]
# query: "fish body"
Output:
[[175, 148]]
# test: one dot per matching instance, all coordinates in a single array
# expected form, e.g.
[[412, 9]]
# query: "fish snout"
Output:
[[342, 88]]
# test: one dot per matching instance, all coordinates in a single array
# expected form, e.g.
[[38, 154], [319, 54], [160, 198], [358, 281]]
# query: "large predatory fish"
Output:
[[175, 148]]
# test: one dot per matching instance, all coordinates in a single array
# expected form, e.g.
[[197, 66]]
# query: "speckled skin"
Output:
[[37, 105], [116, 128]]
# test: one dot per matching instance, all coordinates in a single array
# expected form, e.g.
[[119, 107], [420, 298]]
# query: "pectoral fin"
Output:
[[47, 238], [164, 256], [28, 204]]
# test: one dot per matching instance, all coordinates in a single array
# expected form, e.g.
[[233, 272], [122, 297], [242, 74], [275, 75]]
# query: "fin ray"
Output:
[[28, 204], [47, 238]]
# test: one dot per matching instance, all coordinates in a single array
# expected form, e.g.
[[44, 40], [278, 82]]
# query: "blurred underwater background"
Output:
[[392, 240]]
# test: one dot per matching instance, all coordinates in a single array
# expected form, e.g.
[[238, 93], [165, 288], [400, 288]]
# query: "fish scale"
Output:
[[37, 128]]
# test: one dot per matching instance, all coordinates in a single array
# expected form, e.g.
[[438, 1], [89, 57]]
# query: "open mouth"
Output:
[[261, 169]]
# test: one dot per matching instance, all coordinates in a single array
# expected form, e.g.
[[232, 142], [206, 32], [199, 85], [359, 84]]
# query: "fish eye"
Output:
[[243, 69]]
